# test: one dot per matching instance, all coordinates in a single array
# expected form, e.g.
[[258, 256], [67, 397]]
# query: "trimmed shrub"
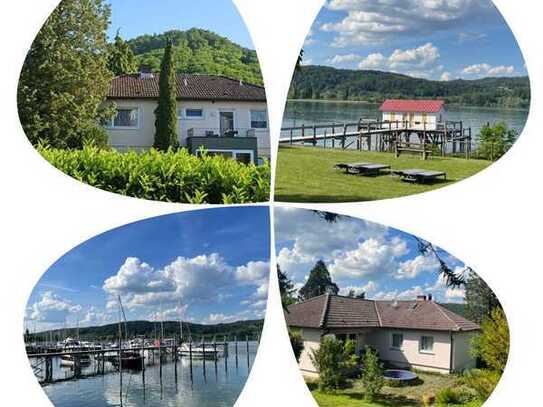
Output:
[[170, 176], [334, 360]]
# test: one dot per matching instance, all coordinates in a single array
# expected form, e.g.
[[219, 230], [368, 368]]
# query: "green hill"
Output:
[[150, 329], [199, 51], [321, 82]]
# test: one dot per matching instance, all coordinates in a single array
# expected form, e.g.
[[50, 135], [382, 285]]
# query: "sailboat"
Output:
[[130, 359]]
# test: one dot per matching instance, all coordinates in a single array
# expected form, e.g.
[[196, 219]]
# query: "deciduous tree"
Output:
[[65, 78], [121, 59]]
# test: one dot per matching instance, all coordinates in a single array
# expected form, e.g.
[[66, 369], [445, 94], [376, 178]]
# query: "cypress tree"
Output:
[[121, 59], [319, 282], [64, 80], [166, 111]]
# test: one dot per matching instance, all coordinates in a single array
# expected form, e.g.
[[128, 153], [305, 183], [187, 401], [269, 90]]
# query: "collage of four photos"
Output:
[[165, 101]]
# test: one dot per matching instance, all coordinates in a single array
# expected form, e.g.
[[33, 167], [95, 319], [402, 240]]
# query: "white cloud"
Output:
[[446, 76], [52, 309], [371, 257], [484, 69], [465, 37], [412, 268], [201, 278], [421, 61], [342, 59], [369, 288], [375, 21]]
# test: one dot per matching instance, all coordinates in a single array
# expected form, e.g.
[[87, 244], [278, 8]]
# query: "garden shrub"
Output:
[[495, 141], [372, 374], [334, 360], [483, 382], [171, 176], [452, 396], [297, 343], [492, 343]]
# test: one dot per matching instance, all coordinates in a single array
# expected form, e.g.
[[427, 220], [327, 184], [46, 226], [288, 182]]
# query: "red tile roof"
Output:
[[333, 312], [416, 106], [189, 87]]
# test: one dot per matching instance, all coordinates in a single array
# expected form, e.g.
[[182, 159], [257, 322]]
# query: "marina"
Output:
[[167, 371]]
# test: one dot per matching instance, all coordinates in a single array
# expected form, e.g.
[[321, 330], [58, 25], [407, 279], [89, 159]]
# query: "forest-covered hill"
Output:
[[321, 82], [199, 51], [152, 329]]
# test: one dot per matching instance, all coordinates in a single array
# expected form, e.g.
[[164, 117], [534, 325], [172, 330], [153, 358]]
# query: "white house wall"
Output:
[[432, 119], [410, 355], [142, 137]]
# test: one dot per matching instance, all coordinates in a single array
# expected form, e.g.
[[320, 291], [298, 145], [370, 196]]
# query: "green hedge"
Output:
[[172, 176]]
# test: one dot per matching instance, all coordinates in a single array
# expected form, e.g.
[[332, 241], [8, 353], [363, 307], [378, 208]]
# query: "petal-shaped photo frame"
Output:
[[160, 101], [407, 96], [378, 317], [164, 311]]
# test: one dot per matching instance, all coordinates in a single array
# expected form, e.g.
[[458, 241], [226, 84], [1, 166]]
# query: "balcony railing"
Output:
[[215, 132]]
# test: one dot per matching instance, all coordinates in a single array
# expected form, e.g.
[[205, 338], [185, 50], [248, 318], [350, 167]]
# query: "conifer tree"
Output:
[[318, 283], [121, 59], [166, 111], [65, 79]]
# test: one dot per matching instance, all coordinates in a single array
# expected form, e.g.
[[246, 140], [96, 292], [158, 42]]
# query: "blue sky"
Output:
[[366, 257], [434, 39], [210, 266], [137, 17]]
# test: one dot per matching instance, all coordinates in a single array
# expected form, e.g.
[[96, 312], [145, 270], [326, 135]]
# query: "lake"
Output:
[[215, 386], [311, 112]]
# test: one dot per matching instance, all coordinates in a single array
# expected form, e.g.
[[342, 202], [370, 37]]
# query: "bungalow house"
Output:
[[414, 114], [226, 116], [417, 334]]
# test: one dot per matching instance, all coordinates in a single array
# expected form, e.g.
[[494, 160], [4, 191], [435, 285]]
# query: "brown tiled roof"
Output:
[[332, 311], [189, 87]]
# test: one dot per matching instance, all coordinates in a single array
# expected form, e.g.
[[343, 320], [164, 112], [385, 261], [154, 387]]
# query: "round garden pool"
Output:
[[400, 376]]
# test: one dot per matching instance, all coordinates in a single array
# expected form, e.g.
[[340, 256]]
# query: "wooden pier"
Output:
[[394, 137]]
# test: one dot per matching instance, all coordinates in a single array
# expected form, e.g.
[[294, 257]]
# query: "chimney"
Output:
[[146, 72], [421, 298], [240, 83]]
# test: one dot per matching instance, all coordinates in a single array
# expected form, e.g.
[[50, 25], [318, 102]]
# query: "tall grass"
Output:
[[172, 176]]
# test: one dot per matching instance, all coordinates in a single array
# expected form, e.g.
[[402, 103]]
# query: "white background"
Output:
[[492, 221]]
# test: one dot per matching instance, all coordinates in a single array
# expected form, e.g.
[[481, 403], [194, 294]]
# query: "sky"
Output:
[[366, 257], [433, 39], [137, 17], [206, 266]]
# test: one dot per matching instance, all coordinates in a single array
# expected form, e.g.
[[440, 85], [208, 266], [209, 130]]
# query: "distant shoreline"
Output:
[[365, 102]]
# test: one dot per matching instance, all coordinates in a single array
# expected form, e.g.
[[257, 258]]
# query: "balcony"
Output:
[[240, 144]]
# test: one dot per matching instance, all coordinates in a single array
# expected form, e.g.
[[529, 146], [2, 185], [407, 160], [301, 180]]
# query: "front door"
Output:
[[226, 122]]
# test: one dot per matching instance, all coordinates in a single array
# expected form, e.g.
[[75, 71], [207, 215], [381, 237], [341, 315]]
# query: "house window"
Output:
[[125, 118], [397, 341], [426, 344], [194, 113], [259, 119]]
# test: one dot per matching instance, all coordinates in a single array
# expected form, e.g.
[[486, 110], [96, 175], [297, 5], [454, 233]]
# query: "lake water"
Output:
[[215, 386], [311, 112]]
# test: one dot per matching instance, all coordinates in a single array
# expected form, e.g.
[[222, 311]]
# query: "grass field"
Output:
[[391, 396], [307, 174]]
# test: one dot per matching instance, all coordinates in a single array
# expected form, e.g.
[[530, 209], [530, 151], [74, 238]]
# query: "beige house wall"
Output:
[[312, 340], [142, 137], [410, 354], [462, 359]]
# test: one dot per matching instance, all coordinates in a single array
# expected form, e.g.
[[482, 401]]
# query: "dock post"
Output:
[[48, 369], [236, 343], [303, 134], [290, 136], [225, 353], [344, 136], [247, 343], [190, 357], [324, 138], [314, 135]]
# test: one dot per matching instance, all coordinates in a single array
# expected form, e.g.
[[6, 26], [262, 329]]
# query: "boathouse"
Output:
[[414, 114]]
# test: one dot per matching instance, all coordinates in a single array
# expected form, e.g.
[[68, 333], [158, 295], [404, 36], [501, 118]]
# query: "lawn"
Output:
[[391, 396], [307, 174]]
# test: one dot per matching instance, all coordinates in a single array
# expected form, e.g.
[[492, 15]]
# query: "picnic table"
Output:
[[419, 176], [362, 168]]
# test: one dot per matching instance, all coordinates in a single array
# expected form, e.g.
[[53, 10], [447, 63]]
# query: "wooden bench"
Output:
[[420, 176], [367, 169]]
